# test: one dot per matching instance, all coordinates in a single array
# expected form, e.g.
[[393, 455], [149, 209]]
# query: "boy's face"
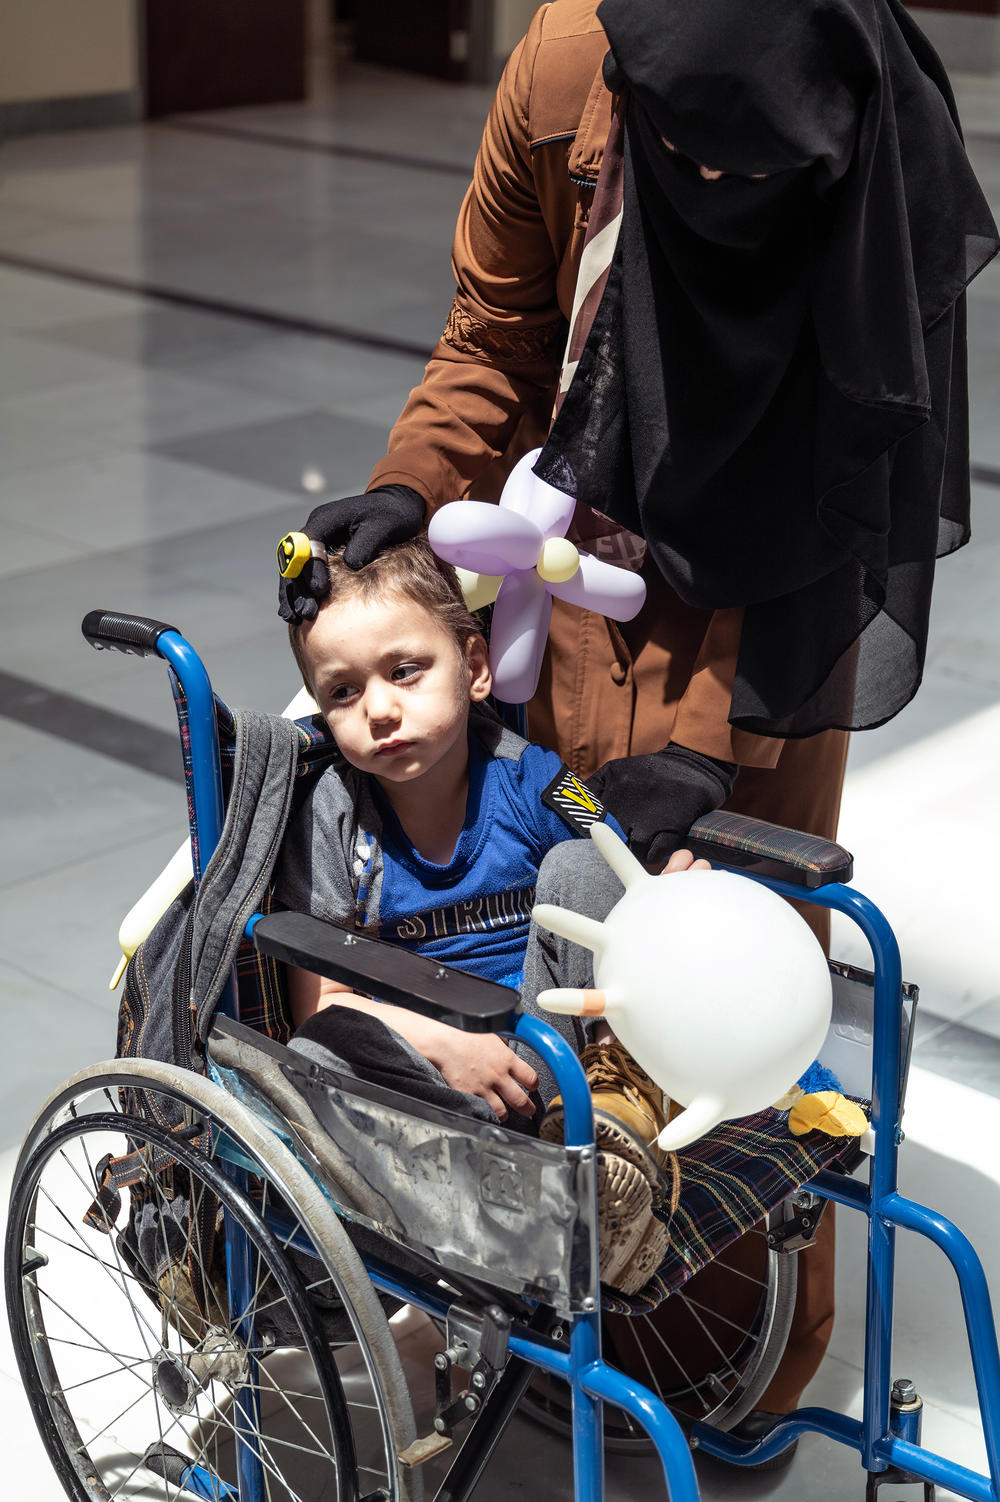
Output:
[[394, 687]]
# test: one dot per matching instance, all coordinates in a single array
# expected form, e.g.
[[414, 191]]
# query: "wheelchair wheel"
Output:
[[709, 1351], [146, 1381]]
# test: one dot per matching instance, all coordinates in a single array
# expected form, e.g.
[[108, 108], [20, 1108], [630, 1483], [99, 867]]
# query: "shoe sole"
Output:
[[631, 1241], [611, 1137]]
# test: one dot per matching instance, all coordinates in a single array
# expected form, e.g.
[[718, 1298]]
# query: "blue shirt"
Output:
[[475, 911]]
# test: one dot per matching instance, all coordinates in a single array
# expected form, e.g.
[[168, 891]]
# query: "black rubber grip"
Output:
[[123, 633], [385, 970]]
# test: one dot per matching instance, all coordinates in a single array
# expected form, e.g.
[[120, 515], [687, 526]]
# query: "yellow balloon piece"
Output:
[[478, 590], [558, 560]]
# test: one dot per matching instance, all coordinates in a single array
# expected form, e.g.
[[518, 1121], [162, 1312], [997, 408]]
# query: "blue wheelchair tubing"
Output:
[[880, 1437]]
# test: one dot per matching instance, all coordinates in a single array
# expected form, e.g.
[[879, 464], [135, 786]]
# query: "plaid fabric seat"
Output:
[[730, 1180]]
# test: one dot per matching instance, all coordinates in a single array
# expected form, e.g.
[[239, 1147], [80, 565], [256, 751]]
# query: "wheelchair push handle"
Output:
[[143, 637], [135, 634]]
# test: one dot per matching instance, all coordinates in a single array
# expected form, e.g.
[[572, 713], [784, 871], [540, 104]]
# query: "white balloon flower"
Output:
[[518, 553]]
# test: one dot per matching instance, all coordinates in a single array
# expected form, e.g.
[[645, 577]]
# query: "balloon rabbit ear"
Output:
[[704, 1113], [569, 925], [573, 1003], [629, 871]]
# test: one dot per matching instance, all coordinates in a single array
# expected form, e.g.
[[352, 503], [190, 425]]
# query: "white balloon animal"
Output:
[[713, 983]]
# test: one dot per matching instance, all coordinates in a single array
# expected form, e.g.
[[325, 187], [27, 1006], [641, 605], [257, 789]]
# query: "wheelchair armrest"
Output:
[[385, 970], [770, 850]]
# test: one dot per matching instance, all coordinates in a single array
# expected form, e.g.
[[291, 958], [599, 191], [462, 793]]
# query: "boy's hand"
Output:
[[683, 860], [482, 1064], [364, 525]]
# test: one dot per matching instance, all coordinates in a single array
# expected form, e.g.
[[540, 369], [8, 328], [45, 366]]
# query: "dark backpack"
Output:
[[173, 984]]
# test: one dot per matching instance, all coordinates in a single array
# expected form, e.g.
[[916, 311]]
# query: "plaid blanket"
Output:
[[730, 1179]]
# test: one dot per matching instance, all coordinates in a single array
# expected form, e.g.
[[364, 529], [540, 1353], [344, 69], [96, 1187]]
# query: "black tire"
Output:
[[709, 1351], [129, 1380]]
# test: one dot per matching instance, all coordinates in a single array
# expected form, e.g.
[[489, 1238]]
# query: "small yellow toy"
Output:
[[826, 1111]]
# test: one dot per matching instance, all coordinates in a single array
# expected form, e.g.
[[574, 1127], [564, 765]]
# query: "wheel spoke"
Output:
[[693, 1304], [285, 1398], [693, 1385], [110, 1232], [123, 1366]]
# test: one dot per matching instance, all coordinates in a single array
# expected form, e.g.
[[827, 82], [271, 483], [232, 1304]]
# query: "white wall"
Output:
[[61, 49], [510, 22]]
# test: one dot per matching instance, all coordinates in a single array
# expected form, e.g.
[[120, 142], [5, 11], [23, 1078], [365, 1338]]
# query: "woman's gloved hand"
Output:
[[367, 524], [657, 798]]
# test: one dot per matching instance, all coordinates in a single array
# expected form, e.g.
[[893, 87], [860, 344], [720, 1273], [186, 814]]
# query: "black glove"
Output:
[[657, 798], [368, 524]]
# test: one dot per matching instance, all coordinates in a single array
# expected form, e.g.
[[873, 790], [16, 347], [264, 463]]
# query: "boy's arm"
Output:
[[475, 1063]]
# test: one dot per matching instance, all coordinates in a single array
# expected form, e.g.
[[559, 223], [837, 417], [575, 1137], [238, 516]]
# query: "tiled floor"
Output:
[[153, 447]]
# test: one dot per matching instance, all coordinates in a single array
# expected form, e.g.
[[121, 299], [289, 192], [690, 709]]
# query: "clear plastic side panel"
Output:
[[847, 1049]]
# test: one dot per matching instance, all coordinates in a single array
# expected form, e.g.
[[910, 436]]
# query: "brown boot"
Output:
[[628, 1117], [631, 1241], [634, 1176]]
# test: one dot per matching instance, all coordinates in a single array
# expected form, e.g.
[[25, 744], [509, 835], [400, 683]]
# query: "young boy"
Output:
[[432, 832]]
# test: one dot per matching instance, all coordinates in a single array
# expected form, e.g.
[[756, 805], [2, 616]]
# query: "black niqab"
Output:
[[773, 392]]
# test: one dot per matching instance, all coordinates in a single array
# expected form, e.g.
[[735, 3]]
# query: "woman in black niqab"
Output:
[[773, 392]]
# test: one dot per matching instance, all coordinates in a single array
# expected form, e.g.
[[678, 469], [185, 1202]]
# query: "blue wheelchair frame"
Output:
[[885, 1438]]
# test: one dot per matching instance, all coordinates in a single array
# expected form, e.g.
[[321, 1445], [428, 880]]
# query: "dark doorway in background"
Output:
[[430, 37], [217, 54]]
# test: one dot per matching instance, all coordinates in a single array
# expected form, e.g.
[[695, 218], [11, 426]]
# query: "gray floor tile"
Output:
[[964, 1053], [985, 1018], [53, 1034], [132, 409], [61, 928], [33, 302], [317, 372], [157, 337], [90, 803], [217, 585], [98, 729], [25, 548], [382, 109], [129, 497], [338, 451], [27, 364]]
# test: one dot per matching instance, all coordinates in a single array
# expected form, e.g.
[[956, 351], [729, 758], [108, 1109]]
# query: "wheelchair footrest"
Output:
[[423, 1450]]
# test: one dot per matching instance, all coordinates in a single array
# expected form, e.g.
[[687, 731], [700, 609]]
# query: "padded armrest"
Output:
[[770, 850], [385, 970]]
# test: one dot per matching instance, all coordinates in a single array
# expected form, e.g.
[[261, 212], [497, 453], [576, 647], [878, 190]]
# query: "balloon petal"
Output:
[[615, 592], [484, 539], [526, 495], [518, 635]]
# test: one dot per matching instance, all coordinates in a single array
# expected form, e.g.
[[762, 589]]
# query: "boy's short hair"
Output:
[[411, 569]]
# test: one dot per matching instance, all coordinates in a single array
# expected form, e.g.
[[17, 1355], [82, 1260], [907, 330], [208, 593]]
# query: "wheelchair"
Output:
[[213, 1317]]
